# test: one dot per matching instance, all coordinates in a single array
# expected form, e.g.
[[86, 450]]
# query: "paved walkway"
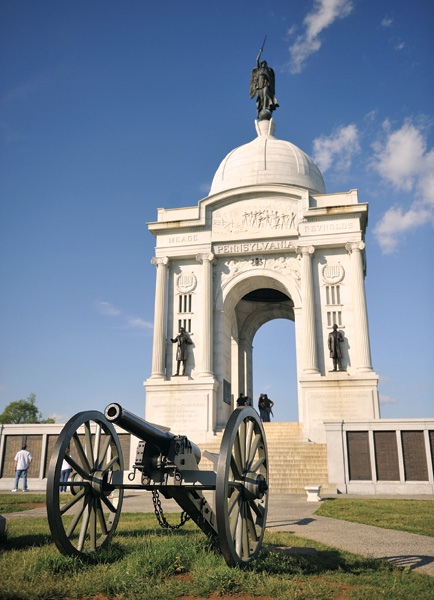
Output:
[[292, 513]]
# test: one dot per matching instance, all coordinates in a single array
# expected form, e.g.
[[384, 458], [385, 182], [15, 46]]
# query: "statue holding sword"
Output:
[[262, 85]]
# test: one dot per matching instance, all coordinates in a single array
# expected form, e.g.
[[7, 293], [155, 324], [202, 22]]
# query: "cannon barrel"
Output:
[[145, 431]]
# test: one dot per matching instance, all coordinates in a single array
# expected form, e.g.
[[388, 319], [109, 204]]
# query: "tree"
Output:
[[23, 411]]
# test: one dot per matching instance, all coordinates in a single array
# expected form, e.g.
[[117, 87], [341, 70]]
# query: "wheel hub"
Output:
[[254, 486]]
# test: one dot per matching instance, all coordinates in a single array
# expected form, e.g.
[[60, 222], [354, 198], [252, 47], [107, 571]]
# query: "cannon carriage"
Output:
[[165, 463]]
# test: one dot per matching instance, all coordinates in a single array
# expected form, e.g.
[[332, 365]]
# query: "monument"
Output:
[[267, 242]]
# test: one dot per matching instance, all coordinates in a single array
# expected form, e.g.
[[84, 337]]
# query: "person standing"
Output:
[[268, 406], [241, 400], [261, 406], [66, 472], [23, 460]]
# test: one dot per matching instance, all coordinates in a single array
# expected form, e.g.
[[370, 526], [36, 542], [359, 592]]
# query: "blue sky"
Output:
[[112, 109]]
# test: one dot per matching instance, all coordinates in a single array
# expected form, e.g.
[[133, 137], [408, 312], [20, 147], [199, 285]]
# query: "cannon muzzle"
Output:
[[143, 430]]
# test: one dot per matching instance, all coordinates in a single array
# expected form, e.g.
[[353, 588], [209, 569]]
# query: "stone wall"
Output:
[[382, 456], [40, 440]]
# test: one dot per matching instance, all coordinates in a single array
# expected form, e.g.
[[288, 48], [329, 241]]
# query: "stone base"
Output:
[[187, 406], [336, 396], [313, 493]]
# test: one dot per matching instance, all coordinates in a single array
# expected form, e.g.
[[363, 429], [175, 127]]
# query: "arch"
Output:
[[238, 318], [263, 315], [253, 279]]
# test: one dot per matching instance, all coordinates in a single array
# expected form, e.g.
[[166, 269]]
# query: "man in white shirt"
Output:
[[23, 460]]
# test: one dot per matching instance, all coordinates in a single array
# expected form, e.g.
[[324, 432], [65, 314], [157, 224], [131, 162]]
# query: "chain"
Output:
[[159, 513]]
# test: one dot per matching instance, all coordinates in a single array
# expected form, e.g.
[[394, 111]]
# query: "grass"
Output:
[[144, 562], [414, 516], [10, 503]]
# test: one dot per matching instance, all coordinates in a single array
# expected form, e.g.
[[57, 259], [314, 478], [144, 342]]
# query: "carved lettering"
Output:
[[183, 239], [328, 227], [246, 248]]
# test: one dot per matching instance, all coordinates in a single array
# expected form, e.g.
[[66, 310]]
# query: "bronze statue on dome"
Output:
[[262, 85]]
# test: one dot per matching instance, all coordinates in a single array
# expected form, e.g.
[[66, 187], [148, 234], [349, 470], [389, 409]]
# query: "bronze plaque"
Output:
[[386, 456], [359, 460]]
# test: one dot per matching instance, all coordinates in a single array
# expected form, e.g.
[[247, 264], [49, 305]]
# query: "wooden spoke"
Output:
[[70, 504], [97, 444], [88, 445], [81, 453], [249, 433], [108, 503], [253, 449], [101, 518], [82, 472], [103, 454]]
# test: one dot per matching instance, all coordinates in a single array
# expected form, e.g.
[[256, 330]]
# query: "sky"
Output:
[[111, 109]]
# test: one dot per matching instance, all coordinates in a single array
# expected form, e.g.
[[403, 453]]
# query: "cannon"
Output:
[[165, 463]]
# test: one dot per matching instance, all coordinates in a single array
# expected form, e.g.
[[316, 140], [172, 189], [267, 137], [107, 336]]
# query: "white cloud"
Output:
[[404, 161], [386, 22], [323, 14], [387, 399], [138, 323], [59, 418], [105, 308], [337, 149], [400, 46], [109, 310], [204, 188]]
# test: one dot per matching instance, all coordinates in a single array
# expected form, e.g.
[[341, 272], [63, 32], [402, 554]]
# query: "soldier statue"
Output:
[[334, 342], [182, 339], [262, 85]]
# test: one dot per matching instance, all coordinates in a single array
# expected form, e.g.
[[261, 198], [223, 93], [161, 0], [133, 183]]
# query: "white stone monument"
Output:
[[267, 243]]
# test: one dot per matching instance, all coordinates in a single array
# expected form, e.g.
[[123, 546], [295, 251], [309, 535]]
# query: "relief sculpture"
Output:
[[246, 218]]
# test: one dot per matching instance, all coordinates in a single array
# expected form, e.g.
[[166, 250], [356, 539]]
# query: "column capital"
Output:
[[160, 260], [351, 246], [303, 250], [204, 257]]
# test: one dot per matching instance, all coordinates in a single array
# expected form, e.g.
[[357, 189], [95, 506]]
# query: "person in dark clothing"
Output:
[[265, 405], [241, 400]]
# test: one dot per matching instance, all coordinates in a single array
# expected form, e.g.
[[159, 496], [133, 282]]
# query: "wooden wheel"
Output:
[[89, 519], [242, 487]]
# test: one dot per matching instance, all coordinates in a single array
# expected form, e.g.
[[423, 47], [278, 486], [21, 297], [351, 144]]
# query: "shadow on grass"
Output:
[[18, 542], [315, 563], [73, 564]]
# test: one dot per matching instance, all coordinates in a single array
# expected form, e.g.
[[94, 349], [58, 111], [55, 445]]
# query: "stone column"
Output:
[[206, 260], [160, 318], [310, 357], [361, 328]]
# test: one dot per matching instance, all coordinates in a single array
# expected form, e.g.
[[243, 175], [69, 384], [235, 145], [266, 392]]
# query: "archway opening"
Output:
[[274, 368]]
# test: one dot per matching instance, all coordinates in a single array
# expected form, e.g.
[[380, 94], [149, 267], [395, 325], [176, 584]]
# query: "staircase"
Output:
[[293, 461]]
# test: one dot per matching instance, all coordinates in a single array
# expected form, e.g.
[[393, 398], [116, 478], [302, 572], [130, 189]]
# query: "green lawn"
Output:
[[414, 516], [144, 562], [19, 501]]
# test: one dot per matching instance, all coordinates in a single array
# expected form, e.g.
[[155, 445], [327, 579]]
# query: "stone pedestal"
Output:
[[184, 405], [337, 396]]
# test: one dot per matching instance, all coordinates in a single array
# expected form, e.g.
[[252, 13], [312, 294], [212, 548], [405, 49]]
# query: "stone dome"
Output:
[[267, 160]]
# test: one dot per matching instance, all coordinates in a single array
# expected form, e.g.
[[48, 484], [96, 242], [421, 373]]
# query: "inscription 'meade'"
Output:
[[183, 239], [327, 227]]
